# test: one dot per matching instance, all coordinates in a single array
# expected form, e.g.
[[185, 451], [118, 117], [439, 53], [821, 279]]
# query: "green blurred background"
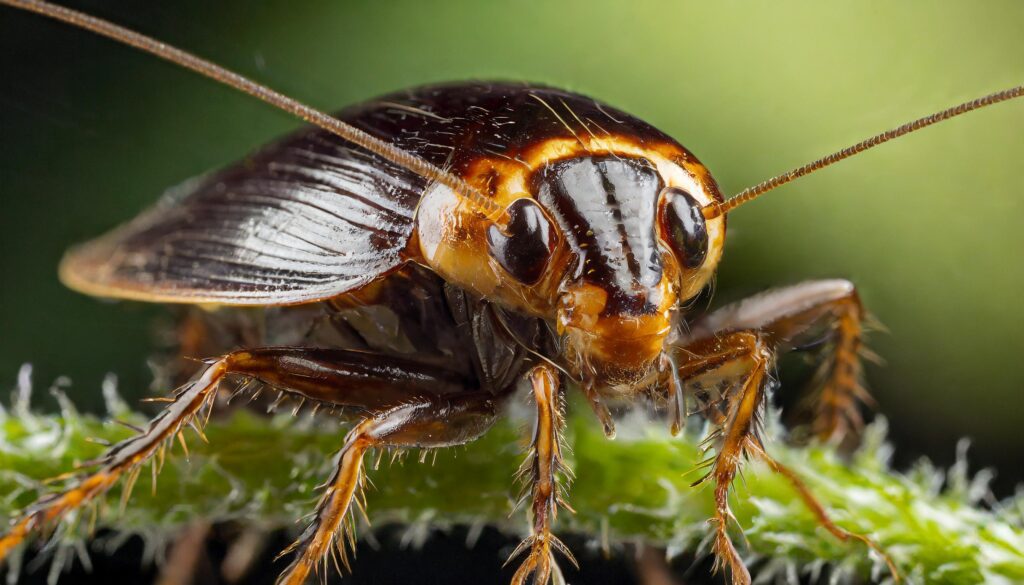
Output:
[[929, 227]]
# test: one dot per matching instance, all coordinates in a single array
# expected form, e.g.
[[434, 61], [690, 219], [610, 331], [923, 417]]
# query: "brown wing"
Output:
[[304, 219], [309, 217]]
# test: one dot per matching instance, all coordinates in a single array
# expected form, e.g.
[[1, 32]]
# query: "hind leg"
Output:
[[336, 377], [826, 311], [122, 459]]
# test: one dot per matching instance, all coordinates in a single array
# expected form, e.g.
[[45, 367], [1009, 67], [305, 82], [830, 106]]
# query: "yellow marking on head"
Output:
[[452, 238]]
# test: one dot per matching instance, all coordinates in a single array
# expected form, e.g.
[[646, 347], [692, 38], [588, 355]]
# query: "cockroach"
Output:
[[462, 239]]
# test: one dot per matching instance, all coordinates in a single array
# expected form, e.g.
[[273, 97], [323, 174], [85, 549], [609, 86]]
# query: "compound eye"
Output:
[[683, 226], [524, 247]]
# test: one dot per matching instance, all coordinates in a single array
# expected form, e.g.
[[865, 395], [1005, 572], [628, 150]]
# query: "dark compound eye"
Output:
[[683, 226], [524, 247]]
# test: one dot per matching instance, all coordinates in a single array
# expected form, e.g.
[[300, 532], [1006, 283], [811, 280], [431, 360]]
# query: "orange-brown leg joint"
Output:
[[696, 360], [330, 532], [121, 459], [544, 465]]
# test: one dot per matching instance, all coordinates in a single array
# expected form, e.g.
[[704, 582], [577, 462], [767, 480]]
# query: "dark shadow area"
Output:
[[445, 558]]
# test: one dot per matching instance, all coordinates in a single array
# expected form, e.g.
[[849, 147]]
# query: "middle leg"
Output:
[[421, 423]]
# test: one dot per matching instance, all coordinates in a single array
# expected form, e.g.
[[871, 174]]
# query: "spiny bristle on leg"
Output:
[[540, 562], [331, 533], [543, 469], [47, 510], [121, 460], [727, 558], [836, 406], [739, 433]]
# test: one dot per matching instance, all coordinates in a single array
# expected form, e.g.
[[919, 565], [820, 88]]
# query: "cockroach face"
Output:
[[606, 244], [639, 246]]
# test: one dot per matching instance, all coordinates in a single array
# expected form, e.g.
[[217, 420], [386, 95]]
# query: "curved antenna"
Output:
[[713, 210], [487, 207]]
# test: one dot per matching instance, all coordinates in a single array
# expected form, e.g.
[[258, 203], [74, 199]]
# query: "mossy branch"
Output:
[[265, 470]]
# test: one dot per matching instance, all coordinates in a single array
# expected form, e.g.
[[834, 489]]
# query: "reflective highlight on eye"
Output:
[[683, 227], [525, 246]]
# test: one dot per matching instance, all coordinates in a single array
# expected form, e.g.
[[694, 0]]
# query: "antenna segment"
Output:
[[484, 205], [749, 194]]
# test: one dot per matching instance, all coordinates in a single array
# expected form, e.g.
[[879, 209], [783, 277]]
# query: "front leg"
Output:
[[544, 466], [740, 361], [802, 314]]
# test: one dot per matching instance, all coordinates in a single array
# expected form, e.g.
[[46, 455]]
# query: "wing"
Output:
[[309, 217], [305, 219]]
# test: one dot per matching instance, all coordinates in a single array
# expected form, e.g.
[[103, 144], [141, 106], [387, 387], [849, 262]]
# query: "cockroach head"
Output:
[[637, 245]]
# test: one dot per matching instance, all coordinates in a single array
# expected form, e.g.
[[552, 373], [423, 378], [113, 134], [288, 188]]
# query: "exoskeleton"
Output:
[[445, 244]]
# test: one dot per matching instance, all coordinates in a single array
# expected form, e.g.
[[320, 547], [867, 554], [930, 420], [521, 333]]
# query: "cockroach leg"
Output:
[[795, 316], [544, 467], [733, 348], [340, 377], [123, 459], [336, 377], [676, 397], [600, 409], [743, 356], [840, 378], [714, 355], [818, 510], [423, 423]]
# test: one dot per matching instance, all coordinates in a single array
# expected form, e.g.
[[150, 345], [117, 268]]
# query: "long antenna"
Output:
[[749, 194], [484, 205]]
